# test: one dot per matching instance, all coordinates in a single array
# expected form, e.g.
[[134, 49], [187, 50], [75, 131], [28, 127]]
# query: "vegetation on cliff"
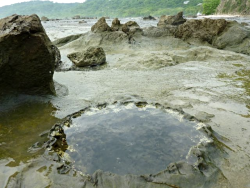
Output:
[[241, 7], [209, 6]]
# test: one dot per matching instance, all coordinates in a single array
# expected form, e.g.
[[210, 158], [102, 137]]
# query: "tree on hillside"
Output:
[[209, 6]]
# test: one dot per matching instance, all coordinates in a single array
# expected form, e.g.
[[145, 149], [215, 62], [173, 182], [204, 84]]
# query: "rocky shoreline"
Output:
[[190, 68]]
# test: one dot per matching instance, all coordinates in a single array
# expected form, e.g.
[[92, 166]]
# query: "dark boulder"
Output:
[[93, 56], [100, 26], [171, 20], [27, 56], [149, 18]]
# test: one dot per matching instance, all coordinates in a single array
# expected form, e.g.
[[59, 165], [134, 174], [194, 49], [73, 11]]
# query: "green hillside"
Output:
[[111, 8], [126, 8], [41, 8]]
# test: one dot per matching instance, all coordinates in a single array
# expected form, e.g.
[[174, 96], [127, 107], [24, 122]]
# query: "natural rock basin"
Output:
[[129, 139]]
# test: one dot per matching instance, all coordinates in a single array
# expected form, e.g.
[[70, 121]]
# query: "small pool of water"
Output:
[[22, 119], [129, 140]]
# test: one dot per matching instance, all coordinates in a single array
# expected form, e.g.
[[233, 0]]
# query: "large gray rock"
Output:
[[27, 56], [93, 56], [171, 20], [100, 26], [235, 35]]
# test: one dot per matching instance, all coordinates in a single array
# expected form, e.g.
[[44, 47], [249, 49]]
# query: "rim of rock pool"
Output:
[[194, 157]]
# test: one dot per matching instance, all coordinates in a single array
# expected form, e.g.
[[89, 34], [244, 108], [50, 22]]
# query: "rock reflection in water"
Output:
[[22, 119], [127, 139]]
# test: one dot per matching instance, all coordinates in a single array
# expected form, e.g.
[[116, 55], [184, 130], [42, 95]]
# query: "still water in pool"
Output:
[[128, 139]]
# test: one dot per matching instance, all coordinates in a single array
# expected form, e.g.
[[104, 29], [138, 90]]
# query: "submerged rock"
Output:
[[171, 20], [100, 26], [27, 56], [93, 56]]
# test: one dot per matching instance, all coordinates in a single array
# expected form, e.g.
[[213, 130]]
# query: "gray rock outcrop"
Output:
[[93, 56], [236, 38], [100, 26], [27, 56], [204, 29], [171, 20]]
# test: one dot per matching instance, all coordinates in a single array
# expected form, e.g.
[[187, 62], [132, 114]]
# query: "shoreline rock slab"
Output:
[[27, 56]]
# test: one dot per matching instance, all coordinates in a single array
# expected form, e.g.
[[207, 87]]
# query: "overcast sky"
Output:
[[9, 2]]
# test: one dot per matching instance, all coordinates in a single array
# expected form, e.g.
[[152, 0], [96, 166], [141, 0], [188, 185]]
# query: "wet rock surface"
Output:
[[27, 56]]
